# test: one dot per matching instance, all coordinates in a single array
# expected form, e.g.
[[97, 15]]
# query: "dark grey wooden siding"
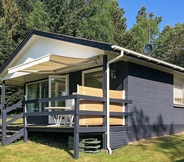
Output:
[[118, 139], [152, 94]]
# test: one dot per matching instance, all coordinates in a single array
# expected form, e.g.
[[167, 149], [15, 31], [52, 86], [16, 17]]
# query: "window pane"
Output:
[[44, 94], [33, 93], [58, 89], [178, 93], [93, 79]]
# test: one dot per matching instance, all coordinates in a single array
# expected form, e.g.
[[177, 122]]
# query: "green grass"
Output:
[[19, 121], [162, 149]]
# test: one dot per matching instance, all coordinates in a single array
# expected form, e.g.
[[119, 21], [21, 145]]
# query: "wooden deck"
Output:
[[49, 128]]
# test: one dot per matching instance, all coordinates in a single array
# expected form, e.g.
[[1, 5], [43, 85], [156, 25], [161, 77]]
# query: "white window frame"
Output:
[[50, 119], [90, 71], [178, 80], [59, 76]]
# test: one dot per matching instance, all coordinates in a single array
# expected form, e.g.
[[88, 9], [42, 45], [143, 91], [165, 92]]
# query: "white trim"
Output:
[[179, 105], [123, 107], [108, 100], [148, 58], [89, 71], [66, 77], [178, 80]]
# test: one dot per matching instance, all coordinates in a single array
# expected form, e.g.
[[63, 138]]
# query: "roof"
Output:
[[95, 44], [81, 41]]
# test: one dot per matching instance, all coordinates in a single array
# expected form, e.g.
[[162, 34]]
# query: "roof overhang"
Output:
[[33, 34], [52, 64], [148, 59]]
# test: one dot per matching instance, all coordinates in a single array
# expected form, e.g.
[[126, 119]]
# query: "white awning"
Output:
[[51, 63]]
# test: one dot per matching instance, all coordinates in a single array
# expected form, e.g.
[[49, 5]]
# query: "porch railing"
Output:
[[20, 133], [76, 112]]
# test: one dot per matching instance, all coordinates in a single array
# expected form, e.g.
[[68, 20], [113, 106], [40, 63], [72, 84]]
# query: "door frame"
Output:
[[66, 77]]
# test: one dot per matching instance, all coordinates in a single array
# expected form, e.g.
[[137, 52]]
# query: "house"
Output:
[[121, 94]]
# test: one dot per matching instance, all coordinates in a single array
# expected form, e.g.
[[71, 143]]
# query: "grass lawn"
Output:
[[19, 121], [162, 149]]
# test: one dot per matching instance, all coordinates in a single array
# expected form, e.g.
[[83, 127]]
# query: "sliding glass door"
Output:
[[58, 86], [52, 87], [37, 90]]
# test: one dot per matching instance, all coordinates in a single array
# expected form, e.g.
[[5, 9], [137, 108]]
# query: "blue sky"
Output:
[[172, 11]]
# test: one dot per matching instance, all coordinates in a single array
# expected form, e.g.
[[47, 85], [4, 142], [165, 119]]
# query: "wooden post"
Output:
[[25, 137], [76, 126], [3, 111], [104, 135]]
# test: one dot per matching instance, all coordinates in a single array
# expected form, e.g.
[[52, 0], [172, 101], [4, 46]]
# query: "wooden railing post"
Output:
[[3, 111], [76, 125]]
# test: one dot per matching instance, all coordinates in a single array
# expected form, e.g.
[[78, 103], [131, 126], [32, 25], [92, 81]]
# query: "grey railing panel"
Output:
[[15, 136], [13, 107], [14, 119]]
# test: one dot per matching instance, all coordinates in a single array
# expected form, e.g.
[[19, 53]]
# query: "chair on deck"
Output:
[[70, 103]]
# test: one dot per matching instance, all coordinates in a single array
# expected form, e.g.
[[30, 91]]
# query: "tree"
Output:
[[12, 30], [5, 46], [100, 20], [13, 21], [97, 23], [37, 19], [119, 23], [144, 31], [91, 19], [169, 46]]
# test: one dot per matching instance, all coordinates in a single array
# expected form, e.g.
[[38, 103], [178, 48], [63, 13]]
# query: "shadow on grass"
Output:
[[181, 160], [172, 146], [144, 127], [52, 139]]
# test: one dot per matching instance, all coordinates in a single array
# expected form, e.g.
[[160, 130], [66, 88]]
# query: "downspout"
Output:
[[108, 100]]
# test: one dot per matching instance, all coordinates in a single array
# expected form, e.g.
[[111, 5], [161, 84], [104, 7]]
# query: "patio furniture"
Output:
[[59, 119]]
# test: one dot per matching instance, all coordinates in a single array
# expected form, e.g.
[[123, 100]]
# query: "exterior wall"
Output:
[[74, 79], [118, 139], [37, 120], [152, 94]]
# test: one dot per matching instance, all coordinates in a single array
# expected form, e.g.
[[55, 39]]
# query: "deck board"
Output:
[[46, 128]]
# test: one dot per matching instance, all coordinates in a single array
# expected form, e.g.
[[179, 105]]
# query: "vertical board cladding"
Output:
[[118, 139], [74, 79], [153, 112]]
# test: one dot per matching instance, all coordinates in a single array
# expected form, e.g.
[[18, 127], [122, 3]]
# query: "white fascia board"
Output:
[[148, 58]]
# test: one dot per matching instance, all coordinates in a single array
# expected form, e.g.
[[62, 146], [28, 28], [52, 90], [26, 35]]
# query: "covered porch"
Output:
[[87, 118], [51, 82]]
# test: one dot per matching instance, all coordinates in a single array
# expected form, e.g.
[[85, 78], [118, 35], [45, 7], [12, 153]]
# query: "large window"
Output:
[[58, 86], [34, 91], [92, 78], [178, 91], [52, 87]]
